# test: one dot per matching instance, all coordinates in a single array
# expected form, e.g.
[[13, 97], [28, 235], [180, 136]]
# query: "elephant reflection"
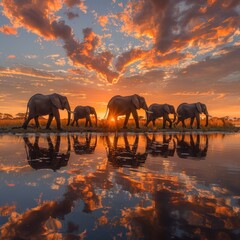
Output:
[[161, 148], [87, 146], [192, 148], [125, 155], [46, 158]]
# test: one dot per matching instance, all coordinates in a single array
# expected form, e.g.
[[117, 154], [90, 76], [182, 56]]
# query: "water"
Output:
[[95, 186]]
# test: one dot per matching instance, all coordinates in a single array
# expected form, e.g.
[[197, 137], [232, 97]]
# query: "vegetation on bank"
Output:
[[215, 124]]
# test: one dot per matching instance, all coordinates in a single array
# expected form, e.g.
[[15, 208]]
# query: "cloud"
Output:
[[79, 3], [181, 26], [129, 57], [38, 17], [8, 30], [11, 56], [72, 15], [103, 20]]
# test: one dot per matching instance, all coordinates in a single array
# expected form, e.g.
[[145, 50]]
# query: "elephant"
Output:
[[84, 112], [87, 146], [161, 148], [188, 148], [193, 110], [125, 155], [40, 105], [161, 110], [46, 158], [125, 105]]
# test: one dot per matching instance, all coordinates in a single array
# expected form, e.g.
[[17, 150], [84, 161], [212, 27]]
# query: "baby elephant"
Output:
[[84, 112], [161, 110]]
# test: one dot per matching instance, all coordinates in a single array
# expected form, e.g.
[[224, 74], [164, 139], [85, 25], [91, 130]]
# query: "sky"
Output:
[[168, 51]]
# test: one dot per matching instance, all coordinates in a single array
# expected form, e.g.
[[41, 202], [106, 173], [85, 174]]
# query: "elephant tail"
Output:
[[26, 114], [107, 111]]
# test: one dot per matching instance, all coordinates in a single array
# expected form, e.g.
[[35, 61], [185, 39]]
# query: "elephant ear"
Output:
[[166, 108], [56, 101], [136, 101], [88, 110], [199, 107]]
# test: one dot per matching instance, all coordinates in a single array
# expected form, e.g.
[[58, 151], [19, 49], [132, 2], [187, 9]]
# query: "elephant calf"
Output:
[[160, 110], [84, 112]]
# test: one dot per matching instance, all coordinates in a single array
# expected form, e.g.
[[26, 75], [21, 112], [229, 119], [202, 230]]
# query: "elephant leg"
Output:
[[154, 122], [90, 122], [25, 124], [57, 117], [169, 120], [135, 116], [86, 122], [176, 123], [126, 120], [183, 123], [164, 123], [37, 122], [50, 118], [72, 124], [198, 121], [77, 123], [191, 123]]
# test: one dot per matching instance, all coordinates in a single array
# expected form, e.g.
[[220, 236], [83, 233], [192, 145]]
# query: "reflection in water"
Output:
[[150, 202], [192, 148], [84, 145], [46, 157], [162, 147], [124, 154]]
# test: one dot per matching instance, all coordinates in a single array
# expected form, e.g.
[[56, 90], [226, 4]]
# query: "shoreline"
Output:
[[110, 131]]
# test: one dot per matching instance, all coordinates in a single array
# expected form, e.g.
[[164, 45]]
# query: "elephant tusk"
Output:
[[71, 111], [149, 111]]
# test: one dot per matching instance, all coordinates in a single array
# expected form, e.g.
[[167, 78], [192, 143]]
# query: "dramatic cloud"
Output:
[[38, 17], [129, 57], [174, 25]]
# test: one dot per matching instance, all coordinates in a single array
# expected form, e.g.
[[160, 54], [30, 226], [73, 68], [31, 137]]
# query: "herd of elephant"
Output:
[[40, 105]]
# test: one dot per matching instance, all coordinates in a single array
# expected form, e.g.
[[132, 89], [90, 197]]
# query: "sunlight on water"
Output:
[[126, 186]]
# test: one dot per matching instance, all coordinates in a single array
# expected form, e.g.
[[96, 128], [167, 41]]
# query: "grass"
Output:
[[215, 124]]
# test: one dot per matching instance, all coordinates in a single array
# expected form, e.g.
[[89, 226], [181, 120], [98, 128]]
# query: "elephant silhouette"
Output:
[[161, 148], [46, 158], [124, 155], [191, 148], [87, 146]]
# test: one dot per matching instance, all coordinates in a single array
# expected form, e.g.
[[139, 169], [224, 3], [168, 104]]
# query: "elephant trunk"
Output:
[[206, 120], [175, 116], [95, 114], [69, 118], [69, 113]]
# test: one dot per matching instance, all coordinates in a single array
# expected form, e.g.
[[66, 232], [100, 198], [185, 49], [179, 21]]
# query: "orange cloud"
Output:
[[103, 20], [38, 17], [129, 57], [9, 30], [11, 56]]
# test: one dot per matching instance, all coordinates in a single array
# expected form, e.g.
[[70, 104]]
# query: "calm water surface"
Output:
[[146, 186]]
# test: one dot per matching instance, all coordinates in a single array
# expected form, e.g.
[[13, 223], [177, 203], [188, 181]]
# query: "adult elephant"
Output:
[[193, 110], [84, 112], [160, 110], [40, 105], [126, 105]]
